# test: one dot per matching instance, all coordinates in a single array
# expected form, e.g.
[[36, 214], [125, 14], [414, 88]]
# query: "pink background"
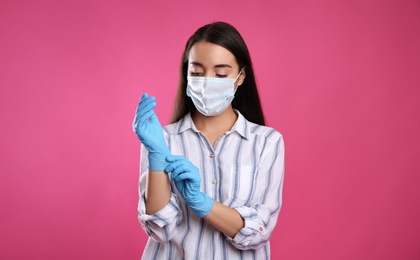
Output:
[[339, 79]]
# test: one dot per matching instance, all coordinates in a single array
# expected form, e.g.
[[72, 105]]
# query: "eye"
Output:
[[195, 74], [221, 75]]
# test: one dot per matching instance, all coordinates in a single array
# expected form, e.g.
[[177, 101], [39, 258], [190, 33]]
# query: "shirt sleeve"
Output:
[[261, 217], [162, 225]]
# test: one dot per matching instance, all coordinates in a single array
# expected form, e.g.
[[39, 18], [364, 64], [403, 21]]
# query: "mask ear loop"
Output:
[[240, 72]]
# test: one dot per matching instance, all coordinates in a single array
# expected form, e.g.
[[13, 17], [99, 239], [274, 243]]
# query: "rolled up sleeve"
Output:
[[162, 225], [260, 218]]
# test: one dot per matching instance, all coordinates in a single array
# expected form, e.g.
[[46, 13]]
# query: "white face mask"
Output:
[[211, 96]]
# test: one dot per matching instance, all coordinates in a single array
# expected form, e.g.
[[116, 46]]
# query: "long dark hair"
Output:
[[246, 100]]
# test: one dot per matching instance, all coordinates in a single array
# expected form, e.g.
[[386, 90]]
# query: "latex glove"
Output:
[[186, 177], [147, 127]]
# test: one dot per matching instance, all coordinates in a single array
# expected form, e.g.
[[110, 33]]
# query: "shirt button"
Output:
[[211, 155], [214, 181], [261, 229]]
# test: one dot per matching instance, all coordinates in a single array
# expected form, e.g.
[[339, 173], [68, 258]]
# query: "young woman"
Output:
[[211, 181]]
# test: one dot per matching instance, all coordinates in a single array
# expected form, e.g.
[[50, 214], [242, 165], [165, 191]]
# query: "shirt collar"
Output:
[[186, 123], [241, 125]]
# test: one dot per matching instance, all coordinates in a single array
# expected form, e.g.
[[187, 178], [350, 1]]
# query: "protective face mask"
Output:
[[211, 96]]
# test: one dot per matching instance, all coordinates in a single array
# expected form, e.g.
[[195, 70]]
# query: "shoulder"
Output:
[[171, 129], [266, 132], [266, 140]]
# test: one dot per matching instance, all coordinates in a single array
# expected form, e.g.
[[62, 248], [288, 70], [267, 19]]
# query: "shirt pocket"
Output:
[[240, 190]]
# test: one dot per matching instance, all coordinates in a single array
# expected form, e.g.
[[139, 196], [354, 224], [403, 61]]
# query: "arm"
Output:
[[157, 206], [260, 217], [158, 192], [225, 219], [162, 224]]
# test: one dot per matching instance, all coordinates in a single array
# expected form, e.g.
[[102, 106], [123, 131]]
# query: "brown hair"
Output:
[[246, 99]]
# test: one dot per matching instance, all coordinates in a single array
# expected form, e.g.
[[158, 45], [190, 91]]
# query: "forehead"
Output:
[[210, 54]]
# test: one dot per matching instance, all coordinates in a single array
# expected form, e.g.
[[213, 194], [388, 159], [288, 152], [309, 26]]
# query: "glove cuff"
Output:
[[157, 164], [203, 207]]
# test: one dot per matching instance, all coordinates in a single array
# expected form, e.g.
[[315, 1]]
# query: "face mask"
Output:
[[211, 96]]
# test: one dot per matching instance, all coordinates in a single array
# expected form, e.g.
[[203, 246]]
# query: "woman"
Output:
[[211, 181]]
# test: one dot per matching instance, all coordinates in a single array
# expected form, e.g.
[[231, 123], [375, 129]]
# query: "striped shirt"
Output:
[[244, 170]]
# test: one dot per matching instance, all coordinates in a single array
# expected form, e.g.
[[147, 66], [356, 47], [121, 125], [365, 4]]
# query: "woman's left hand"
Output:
[[187, 179]]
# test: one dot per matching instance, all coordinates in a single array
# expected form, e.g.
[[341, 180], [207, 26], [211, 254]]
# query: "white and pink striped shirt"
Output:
[[244, 170]]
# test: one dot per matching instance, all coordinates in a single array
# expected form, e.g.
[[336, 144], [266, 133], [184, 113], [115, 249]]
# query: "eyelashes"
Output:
[[201, 74]]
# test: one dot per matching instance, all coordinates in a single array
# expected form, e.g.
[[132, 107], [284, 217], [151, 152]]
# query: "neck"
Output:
[[215, 124]]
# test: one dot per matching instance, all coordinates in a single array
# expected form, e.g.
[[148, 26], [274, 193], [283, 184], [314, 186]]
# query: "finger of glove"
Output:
[[145, 114], [142, 121], [154, 118], [144, 96], [183, 175], [146, 106], [174, 164], [178, 168], [184, 172], [144, 100], [142, 108]]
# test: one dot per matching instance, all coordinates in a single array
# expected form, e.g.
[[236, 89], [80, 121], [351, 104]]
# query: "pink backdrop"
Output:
[[339, 79]]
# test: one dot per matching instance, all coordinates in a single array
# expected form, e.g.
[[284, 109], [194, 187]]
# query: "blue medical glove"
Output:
[[148, 129], [186, 177]]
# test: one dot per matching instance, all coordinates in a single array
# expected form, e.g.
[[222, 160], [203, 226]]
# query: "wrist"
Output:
[[203, 205], [157, 162]]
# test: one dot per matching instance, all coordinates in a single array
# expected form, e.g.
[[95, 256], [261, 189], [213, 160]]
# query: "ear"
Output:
[[241, 77]]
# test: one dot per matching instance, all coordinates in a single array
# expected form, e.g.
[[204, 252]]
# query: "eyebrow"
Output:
[[216, 66]]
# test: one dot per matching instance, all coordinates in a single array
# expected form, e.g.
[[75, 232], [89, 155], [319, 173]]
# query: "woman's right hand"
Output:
[[148, 129]]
